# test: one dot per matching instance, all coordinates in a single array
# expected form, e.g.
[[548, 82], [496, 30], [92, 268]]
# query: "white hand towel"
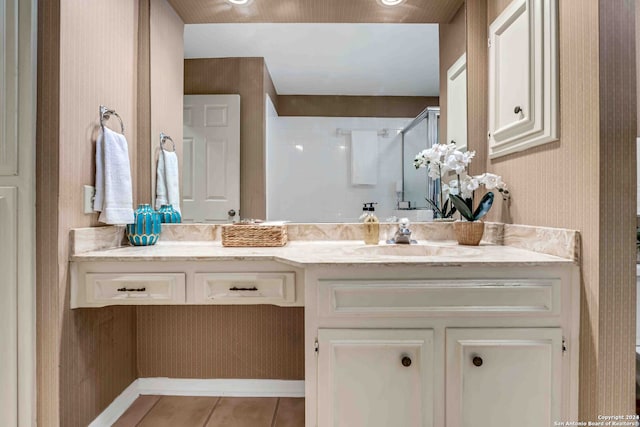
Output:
[[364, 157], [114, 192], [167, 181]]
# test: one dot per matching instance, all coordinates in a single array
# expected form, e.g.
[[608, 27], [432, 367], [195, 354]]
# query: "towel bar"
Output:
[[385, 133], [164, 138], [106, 113]]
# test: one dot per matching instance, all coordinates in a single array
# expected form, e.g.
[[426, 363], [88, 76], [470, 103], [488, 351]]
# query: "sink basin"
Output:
[[416, 250]]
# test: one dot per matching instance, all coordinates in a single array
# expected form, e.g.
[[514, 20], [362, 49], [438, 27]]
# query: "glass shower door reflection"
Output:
[[419, 135]]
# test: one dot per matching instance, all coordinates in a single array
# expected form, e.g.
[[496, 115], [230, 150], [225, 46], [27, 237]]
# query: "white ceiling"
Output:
[[330, 59]]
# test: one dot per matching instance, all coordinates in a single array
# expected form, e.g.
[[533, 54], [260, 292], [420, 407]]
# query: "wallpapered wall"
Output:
[[85, 358], [584, 181]]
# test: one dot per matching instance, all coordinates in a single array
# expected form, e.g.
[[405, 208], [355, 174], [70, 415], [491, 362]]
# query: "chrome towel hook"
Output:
[[106, 113], [164, 138]]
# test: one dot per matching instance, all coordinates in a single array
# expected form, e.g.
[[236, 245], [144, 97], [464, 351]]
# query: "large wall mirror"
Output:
[[291, 113]]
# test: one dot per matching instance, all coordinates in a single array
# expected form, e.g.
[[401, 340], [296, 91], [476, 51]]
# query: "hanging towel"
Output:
[[167, 181], [364, 157], [114, 193]]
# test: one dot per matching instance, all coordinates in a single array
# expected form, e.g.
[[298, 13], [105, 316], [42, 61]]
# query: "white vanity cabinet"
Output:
[[485, 340], [523, 77], [481, 346]]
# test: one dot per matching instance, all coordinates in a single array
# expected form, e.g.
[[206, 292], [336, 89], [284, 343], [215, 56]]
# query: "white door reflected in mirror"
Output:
[[211, 182], [457, 103]]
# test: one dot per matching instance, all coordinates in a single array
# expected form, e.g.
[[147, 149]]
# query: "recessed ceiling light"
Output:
[[391, 2], [238, 2]]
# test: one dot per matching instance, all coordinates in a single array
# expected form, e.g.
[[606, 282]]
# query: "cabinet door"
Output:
[[523, 77], [503, 377], [512, 68], [375, 378]]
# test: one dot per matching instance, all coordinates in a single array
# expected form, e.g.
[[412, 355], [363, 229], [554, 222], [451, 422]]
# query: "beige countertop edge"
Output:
[[305, 254]]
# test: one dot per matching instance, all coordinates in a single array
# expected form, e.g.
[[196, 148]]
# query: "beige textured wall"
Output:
[[270, 90], [85, 357], [617, 166], [354, 106], [586, 181], [477, 84], [143, 149], [453, 43], [166, 83], [262, 341]]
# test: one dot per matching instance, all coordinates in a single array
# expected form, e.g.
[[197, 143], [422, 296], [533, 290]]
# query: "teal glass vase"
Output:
[[145, 231], [169, 215]]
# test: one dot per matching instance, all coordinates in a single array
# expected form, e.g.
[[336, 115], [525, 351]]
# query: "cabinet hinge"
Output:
[[564, 345], [489, 42], [316, 347]]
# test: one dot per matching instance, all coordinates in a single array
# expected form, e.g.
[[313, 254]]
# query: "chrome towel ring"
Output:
[[163, 139], [106, 113]]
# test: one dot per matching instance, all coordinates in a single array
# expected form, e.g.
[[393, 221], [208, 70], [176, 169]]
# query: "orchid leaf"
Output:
[[435, 207], [484, 206], [450, 212], [462, 207], [469, 203]]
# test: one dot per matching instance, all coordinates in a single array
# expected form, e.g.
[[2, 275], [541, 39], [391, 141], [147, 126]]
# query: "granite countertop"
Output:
[[308, 253]]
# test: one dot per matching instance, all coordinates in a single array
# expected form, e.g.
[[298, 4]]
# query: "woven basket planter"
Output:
[[468, 233], [241, 235]]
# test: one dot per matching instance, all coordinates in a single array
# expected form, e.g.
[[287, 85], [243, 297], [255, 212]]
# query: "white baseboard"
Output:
[[117, 407], [224, 387], [196, 387]]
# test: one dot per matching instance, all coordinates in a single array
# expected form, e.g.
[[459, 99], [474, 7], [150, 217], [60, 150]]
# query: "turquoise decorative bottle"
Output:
[[145, 231], [169, 215]]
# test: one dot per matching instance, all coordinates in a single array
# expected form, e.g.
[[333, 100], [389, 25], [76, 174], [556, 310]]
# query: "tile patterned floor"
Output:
[[187, 411]]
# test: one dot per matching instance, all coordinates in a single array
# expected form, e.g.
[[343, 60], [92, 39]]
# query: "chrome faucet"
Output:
[[403, 234]]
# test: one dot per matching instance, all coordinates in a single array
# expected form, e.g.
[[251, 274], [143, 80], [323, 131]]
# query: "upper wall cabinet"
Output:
[[523, 77]]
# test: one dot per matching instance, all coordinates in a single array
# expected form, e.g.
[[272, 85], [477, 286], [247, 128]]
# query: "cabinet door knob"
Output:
[[517, 110], [406, 361], [231, 213], [477, 361]]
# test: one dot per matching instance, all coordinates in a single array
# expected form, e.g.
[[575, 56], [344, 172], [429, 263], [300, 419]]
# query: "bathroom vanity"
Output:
[[432, 334]]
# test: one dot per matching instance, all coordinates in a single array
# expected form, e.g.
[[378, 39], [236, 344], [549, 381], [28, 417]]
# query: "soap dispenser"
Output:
[[371, 224]]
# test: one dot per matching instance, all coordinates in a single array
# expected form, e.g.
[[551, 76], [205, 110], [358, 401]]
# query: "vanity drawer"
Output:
[[431, 297], [244, 288], [134, 289]]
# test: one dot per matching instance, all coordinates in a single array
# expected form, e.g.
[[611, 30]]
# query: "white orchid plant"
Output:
[[444, 160]]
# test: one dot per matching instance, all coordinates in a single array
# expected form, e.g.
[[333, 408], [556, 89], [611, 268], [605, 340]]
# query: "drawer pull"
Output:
[[477, 361], [235, 288], [517, 110], [132, 289], [406, 361]]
